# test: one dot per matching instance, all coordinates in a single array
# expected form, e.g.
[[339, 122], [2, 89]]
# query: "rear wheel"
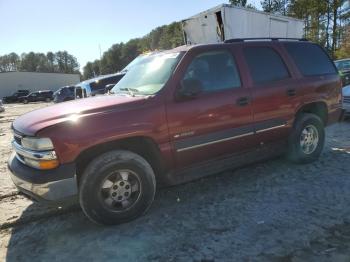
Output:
[[307, 139], [116, 187]]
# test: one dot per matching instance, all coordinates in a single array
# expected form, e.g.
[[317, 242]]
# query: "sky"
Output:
[[81, 26]]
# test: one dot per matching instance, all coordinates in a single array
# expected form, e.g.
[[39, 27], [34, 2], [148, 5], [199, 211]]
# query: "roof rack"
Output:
[[236, 40]]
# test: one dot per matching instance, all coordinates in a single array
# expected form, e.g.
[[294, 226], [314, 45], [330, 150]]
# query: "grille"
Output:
[[346, 99], [18, 138]]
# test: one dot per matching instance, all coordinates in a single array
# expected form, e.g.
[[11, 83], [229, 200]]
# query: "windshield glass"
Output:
[[134, 62], [148, 75]]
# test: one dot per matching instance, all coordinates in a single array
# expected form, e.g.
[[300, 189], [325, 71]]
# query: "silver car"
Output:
[[346, 99], [2, 108]]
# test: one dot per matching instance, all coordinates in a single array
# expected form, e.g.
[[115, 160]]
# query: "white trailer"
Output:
[[228, 22]]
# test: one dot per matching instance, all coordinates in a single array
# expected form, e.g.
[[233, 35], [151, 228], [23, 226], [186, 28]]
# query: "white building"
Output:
[[10, 82]]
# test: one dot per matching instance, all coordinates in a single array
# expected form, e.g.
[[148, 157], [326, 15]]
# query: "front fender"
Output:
[[70, 138]]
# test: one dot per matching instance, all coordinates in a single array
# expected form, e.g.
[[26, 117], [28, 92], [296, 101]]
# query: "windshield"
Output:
[[148, 75], [133, 62]]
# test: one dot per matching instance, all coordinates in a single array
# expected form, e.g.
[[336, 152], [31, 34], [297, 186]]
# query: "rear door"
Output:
[[218, 121], [274, 91], [33, 97]]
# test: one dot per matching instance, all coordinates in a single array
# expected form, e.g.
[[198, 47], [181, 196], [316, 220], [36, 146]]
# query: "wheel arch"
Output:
[[144, 146], [318, 108]]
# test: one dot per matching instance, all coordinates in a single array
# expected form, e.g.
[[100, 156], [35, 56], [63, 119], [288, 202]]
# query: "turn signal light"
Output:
[[48, 164]]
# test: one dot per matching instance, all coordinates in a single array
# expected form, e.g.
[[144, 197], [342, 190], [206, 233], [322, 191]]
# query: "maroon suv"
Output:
[[178, 115]]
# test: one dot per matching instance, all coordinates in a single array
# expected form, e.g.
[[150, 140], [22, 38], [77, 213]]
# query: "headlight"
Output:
[[37, 144]]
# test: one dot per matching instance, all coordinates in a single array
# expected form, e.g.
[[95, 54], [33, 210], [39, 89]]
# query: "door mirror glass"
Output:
[[190, 88]]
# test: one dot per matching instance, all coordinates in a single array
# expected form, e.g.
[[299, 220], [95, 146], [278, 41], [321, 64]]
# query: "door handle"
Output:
[[291, 92], [242, 101]]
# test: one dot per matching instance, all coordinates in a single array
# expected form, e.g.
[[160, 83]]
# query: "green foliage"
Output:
[[344, 50], [325, 20], [60, 62], [121, 54], [275, 6], [238, 2], [317, 14], [9, 62]]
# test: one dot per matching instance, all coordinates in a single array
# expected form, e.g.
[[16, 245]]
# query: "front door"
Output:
[[216, 122]]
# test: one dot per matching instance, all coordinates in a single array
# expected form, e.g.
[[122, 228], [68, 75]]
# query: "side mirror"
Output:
[[190, 88]]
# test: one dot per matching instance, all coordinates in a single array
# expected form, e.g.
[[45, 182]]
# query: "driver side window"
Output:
[[215, 70]]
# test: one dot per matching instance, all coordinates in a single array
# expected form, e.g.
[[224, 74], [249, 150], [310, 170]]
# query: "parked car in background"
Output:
[[103, 84], [15, 96], [45, 95], [343, 66], [97, 85], [2, 108], [63, 94], [346, 100]]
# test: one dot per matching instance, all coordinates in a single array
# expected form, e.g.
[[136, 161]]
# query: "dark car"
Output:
[[178, 115], [344, 70], [64, 94], [15, 96], [45, 95]]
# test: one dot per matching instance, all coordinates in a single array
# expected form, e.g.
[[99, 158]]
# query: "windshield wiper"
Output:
[[131, 91]]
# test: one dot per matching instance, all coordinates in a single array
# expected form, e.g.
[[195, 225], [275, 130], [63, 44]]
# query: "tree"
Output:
[[121, 54], [9, 62], [275, 6], [61, 62], [238, 2], [325, 20], [344, 50]]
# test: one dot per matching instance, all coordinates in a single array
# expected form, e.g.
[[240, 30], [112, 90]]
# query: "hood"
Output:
[[30, 123], [346, 90]]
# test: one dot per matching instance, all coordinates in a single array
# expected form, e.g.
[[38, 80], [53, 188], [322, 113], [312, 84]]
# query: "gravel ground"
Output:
[[271, 211]]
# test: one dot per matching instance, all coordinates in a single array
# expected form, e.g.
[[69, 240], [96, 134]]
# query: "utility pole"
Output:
[[99, 47]]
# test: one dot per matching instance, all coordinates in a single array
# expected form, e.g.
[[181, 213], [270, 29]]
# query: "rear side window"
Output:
[[265, 65], [311, 59]]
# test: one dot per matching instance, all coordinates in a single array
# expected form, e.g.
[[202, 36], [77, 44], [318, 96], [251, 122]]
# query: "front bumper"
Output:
[[56, 185]]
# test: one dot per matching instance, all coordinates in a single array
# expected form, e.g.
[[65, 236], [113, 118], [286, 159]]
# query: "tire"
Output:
[[302, 149], [25, 101], [47, 100], [96, 202]]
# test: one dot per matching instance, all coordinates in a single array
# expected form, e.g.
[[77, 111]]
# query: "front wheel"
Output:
[[307, 139], [116, 187]]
